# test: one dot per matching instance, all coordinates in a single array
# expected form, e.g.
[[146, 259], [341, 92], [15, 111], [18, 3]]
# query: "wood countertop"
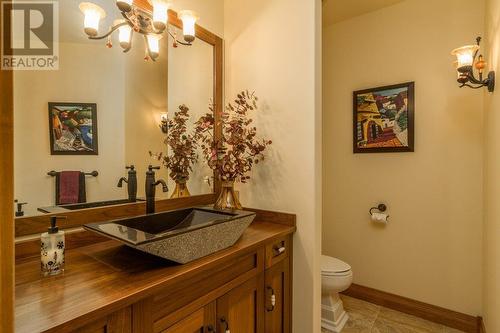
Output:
[[105, 277]]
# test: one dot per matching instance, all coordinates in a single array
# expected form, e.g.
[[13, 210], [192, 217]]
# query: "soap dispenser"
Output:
[[52, 249]]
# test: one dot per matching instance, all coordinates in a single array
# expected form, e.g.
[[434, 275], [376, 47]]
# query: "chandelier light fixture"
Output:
[[135, 19], [470, 61]]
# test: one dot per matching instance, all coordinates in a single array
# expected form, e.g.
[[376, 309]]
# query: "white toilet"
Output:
[[336, 276]]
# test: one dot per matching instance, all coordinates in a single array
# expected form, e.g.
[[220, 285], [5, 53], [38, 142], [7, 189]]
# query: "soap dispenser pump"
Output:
[[52, 249]]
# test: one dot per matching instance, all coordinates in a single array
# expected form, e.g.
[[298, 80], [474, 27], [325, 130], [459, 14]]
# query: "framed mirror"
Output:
[[105, 110]]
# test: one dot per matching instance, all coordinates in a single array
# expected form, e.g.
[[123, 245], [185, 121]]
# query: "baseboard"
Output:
[[457, 320]]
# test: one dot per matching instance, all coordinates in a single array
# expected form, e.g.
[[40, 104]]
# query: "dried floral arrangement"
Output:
[[182, 147], [234, 154]]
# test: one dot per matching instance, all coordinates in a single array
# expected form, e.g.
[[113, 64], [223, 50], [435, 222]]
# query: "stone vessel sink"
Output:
[[180, 235]]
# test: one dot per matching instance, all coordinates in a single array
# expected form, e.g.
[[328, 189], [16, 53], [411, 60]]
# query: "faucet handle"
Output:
[[151, 168], [20, 203], [19, 211], [132, 167]]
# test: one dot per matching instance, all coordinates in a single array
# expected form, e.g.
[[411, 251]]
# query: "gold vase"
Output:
[[227, 197], [181, 190]]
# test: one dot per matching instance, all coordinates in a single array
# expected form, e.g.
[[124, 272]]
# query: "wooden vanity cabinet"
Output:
[[253, 299], [244, 289]]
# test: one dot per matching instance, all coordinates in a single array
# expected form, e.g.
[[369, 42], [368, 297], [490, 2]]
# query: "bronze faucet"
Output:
[[131, 183], [151, 184]]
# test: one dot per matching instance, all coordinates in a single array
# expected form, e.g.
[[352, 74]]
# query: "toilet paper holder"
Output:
[[381, 208]]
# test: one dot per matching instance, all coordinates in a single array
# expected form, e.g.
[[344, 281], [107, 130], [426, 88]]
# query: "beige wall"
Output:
[[431, 249], [79, 79], [491, 291], [270, 48]]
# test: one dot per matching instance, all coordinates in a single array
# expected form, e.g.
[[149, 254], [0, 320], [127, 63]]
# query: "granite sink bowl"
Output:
[[181, 235]]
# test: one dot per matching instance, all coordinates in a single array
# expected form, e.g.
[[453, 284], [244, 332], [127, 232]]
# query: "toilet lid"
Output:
[[331, 266]]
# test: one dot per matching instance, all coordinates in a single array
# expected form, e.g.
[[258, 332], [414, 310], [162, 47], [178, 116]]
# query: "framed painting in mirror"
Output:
[[73, 129]]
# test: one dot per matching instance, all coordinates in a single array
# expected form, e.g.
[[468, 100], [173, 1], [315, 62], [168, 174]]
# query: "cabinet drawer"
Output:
[[277, 250]]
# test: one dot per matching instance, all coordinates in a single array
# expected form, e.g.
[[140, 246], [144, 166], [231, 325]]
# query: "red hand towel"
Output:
[[69, 187]]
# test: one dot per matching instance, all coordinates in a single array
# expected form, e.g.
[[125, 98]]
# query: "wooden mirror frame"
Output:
[[6, 199], [33, 225]]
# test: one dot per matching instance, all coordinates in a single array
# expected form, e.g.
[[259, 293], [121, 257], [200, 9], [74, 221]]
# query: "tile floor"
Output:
[[366, 317]]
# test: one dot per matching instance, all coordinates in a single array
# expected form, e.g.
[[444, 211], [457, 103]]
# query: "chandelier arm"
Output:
[[111, 30], [125, 16], [178, 41]]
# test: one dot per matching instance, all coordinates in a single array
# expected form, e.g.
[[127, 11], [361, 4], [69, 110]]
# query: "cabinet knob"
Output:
[[279, 249], [272, 298], [210, 329]]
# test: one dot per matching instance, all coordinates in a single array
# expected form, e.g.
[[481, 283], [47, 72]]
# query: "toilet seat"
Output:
[[334, 267]]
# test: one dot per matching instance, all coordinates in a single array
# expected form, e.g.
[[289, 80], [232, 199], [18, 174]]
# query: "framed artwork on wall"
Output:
[[73, 128], [384, 119]]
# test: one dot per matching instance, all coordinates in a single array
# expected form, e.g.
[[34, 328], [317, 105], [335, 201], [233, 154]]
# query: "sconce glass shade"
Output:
[[164, 117], [124, 34], [124, 5], [188, 18], [154, 45], [160, 13], [93, 14], [465, 57]]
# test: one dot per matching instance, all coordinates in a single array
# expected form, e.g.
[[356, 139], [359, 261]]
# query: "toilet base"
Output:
[[333, 315]]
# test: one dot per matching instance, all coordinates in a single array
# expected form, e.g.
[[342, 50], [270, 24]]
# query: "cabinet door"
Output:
[[241, 310], [201, 321], [277, 298], [118, 322]]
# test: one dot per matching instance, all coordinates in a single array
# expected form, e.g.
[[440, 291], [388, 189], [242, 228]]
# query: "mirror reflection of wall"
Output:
[[130, 93], [191, 83]]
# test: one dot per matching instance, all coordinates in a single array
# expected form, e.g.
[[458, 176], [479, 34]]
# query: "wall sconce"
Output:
[[164, 123], [151, 25], [467, 61]]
